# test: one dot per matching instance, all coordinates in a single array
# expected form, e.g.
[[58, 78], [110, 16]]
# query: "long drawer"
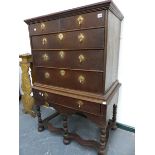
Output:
[[93, 38], [81, 105], [69, 23], [86, 59], [89, 81]]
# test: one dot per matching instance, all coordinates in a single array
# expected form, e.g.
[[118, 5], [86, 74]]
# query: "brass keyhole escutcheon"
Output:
[[81, 37], [61, 54], [81, 58], [80, 103], [42, 26], [47, 75], [62, 72], [60, 36], [45, 57], [81, 79], [80, 20], [44, 41]]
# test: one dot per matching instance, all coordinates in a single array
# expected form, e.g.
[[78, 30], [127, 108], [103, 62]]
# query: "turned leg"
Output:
[[40, 122], [114, 126], [102, 141], [65, 126]]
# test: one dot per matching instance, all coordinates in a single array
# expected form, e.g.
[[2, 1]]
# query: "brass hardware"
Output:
[[81, 58], [45, 57], [80, 103], [81, 37], [44, 41], [42, 26], [45, 95], [81, 79], [34, 29], [80, 20], [62, 72], [60, 36], [47, 75], [62, 54]]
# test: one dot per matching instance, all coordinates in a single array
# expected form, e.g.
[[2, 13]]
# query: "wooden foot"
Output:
[[102, 141], [114, 126], [40, 122], [66, 134]]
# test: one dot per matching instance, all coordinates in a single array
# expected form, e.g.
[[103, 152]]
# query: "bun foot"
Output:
[[114, 127], [66, 141], [40, 129]]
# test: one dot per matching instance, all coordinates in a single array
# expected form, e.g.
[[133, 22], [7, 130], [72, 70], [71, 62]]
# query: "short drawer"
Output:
[[86, 59], [89, 81], [69, 102], [44, 27], [83, 21], [88, 39]]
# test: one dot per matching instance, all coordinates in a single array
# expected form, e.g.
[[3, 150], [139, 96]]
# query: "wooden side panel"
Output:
[[113, 41]]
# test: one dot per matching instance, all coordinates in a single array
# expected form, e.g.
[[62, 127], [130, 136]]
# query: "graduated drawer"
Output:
[[93, 38], [81, 105], [89, 81], [93, 19], [86, 59], [44, 27]]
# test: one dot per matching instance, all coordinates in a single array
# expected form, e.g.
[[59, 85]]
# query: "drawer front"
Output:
[[93, 38], [86, 59], [93, 19], [77, 104], [78, 80], [44, 27]]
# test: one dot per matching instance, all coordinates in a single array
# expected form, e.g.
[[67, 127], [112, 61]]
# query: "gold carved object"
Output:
[[80, 20], [44, 41], [81, 37], [45, 57], [46, 104], [80, 103], [27, 99], [62, 72], [60, 36], [42, 26], [81, 79], [81, 58], [47, 75], [62, 54]]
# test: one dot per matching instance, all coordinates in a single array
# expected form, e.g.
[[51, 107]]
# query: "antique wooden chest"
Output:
[[75, 66]]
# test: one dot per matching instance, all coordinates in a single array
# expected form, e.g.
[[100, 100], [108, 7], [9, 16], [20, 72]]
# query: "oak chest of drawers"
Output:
[[75, 66]]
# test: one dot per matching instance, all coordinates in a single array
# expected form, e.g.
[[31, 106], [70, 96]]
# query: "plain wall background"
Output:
[[136, 65]]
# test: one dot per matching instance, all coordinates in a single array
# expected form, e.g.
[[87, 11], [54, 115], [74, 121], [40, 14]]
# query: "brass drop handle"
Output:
[[60, 36], [61, 54], [80, 103], [81, 79], [47, 75], [80, 20], [81, 37], [81, 58], [45, 57], [62, 72], [44, 41], [42, 26]]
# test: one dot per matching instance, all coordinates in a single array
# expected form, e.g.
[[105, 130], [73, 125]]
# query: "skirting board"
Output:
[[125, 127]]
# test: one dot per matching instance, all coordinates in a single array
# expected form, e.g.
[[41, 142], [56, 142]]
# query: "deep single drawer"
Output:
[[89, 81], [86, 59], [83, 21], [81, 105], [44, 27], [93, 38]]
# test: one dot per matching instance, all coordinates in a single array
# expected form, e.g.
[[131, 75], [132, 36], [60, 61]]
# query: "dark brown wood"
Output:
[[40, 122], [114, 126], [77, 74]]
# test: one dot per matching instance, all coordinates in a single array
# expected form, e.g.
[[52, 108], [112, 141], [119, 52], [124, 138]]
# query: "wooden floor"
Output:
[[32, 142]]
